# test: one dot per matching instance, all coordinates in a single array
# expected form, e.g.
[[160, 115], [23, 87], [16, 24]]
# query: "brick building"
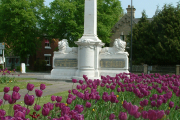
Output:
[[122, 28], [45, 52]]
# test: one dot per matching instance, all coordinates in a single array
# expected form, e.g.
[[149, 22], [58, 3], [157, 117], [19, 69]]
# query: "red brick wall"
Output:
[[40, 54]]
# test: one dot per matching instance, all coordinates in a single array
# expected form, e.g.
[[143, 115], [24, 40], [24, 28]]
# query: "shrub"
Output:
[[1, 67], [40, 65], [18, 68]]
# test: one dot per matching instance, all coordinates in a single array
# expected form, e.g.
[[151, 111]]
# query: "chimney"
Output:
[[129, 11]]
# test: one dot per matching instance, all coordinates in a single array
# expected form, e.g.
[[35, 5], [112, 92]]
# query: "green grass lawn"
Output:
[[22, 83]]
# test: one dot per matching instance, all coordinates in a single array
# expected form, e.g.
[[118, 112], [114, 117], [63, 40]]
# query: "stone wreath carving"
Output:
[[64, 47]]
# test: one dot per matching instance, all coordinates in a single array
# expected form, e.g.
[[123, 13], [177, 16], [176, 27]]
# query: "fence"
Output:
[[165, 69]]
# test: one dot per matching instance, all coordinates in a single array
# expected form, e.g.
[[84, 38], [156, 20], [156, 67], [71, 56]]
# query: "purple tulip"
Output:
[[78, 87], [118, 89], [153, 103], [79, 117], [145, 114], [1, 101], [112, 116], [154, 115], [57, 104], [16, 95], [132, 109], [6, 89], [16, 88], [122, 116], [171, 104], [107, 86], [58, 98], [19, 114], [61, 105], [154, 96], [45, 111], [30, 87], [73, 113], [88, 104], [79, 108], [29, 99], [6, 96], [65, 110], [74, 80], [69, 91], [102, 84], [37, 107], [2, 113], [53, 98], [81, 82], [38, 93], [69, 101], [74, 91], [98, 97], [42, 86], [167, 112], [17, 107], [11, 101], [70, 95], [112, 87], [159, 102]]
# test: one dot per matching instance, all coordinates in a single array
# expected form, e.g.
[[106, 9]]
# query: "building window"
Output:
[[47, 59], [27, 60], [122, 37], [47, 44]]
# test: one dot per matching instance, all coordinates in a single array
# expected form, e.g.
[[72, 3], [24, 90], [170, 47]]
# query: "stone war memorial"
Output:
[[89, 58]]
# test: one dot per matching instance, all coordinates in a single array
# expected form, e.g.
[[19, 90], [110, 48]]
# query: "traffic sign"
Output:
[[2, 45]]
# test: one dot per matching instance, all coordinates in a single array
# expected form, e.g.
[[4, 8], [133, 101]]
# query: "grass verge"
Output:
[[22, 85]]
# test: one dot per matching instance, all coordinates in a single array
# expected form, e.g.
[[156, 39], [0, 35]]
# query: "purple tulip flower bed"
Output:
[[126, 96]]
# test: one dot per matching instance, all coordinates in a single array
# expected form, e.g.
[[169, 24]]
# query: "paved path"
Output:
[[56, 87]]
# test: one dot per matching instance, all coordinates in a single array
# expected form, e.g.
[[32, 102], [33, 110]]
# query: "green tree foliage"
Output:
[[158, 42], [18, 26], [65, 19]]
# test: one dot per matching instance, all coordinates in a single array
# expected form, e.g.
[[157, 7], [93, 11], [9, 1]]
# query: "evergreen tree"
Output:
[[158, 42]]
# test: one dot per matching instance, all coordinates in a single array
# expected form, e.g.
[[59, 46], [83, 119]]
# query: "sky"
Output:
[[149, 6]]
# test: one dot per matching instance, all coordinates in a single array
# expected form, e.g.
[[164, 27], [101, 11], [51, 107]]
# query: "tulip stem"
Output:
[[72, 86], [26, 110]]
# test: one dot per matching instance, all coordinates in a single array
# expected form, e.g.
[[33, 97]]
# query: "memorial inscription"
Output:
[[112, 63], [65, 62]]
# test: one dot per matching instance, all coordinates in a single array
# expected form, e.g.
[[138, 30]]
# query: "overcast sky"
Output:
[[148, 5]]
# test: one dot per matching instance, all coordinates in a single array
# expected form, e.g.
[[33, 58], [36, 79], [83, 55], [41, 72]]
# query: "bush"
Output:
[[18, 68], [1, 67], [40, 65]]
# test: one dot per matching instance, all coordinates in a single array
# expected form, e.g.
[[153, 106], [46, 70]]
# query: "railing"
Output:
[[137, 68], [162, 69]]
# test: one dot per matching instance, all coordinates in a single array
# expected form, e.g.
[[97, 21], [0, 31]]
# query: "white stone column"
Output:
[[90, 21], [89, 44], [90, 17]]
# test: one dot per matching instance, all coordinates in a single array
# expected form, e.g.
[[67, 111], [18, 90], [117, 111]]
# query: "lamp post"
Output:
[[131, 40]]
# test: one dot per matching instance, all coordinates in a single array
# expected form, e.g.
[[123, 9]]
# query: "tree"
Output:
[[65, 19], [158, 42], [18, 25]]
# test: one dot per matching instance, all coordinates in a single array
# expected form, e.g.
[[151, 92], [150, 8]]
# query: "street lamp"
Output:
[[131, 40]]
